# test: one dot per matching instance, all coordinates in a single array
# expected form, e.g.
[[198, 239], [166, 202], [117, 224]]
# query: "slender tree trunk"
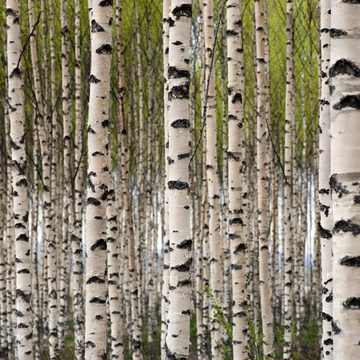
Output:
[[263, 182], [68, 199], [141, 199], [3, 317], [135, 328], [51, 236], [23, 331], [166, 253], [212, 174], [178, 335], [288, 209], [76, 236], [325, 225], [115, 310], [238, 235], [97, 177]]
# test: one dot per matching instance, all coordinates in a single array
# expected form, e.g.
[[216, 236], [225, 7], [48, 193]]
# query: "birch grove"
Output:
[[179, 179]]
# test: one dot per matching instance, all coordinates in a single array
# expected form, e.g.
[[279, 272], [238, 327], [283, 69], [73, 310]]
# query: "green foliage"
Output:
[[193, 337], [255, 341], [220, 318]]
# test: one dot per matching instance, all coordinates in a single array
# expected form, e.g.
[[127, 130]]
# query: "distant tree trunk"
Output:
[[136, 344], [325, 225], [3, 318], [204, 204], [97, 177], [212, 175], [51, 236], [115, 310], [237, 174], [178, 335], [224, 210], [20, 211], [38, 114], [135, 328], [141, 196], [199, 284], [68, 198], [76, 236], [345, 176], [263, 181], [288, 208], [9, 257]]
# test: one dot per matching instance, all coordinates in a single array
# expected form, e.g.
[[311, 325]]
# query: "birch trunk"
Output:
[[178, 335], [97, 177], [325, 225], [212, 176], [50, 237], [288, 201], [237, 163], [23, 331], [115, 300], [3, 313], [344, 73], [68, 199], [166, 254], [263, 182], [76, 236]]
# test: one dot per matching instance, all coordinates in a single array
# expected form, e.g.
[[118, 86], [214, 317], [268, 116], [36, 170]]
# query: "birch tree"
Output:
[[178, 332], [76, 236], [325, 225], [165, 275], [344, 181], [263, 180], [289, 185], [97, 178], [23, 331], [237, 177], [212, 176]]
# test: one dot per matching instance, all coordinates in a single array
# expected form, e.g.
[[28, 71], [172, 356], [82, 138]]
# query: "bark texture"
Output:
[[263, 177], [289, 185], [325, 225], [237, 164], [24, 330], [345, 176], [180, 241], [97, 181]]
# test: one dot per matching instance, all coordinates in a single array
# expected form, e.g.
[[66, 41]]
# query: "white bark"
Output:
[[76, 236], [212, 176], [97, 177], [289, 184], [23, 331], [325, 225], [263, 181], [178, 335], [238, 229], [344, 73], [166, 254], [68, 199], [50, 236], [114, 293]]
